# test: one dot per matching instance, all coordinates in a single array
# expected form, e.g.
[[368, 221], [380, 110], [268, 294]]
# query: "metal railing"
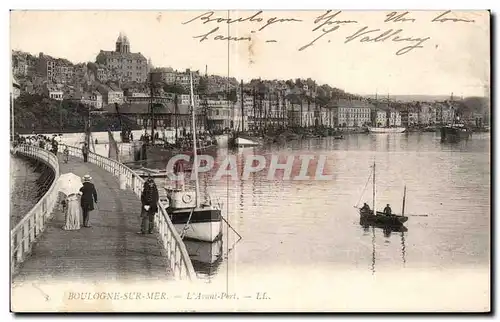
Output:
[[25, 233], [180, 262]]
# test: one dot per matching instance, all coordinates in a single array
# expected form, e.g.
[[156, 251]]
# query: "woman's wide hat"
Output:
[[86, 178]]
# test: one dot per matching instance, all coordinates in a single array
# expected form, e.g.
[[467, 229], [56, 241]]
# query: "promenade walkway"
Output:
[[109, 250]]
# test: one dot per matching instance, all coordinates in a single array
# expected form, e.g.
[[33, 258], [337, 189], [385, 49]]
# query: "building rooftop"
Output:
[[115, 54], [143, 108]]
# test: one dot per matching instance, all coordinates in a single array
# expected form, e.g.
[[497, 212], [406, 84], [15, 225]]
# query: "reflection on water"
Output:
[[289, 222], [295, 223], [206, 257], [387, 233]]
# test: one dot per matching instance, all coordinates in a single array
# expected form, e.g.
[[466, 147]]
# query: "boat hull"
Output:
[[452, 133], [382, 218], [386, 129], [222, 140], [204, 224], [204, 252]]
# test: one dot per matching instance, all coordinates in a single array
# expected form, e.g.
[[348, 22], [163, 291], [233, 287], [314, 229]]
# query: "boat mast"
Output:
[[374, 211], [175, 121], [404, 201], [152, 111], [195, 161], [242, 109]]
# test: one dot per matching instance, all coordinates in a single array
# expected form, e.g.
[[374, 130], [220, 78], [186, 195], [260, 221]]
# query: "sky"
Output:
[[455, 55]]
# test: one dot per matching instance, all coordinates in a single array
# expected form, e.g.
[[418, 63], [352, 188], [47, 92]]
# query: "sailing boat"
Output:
[[156, 151], [192, 218], [379, 217], [240, 138], [388, 128]]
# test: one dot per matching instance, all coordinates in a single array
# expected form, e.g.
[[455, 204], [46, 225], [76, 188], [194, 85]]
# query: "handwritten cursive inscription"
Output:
[[443, 18], [329, 23], [366, 35], [326, 19], [398, 17], [207, 17], [204, 37]]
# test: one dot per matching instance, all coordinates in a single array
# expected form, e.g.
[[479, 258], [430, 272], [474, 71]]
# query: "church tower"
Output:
[[119, 43], [122, 44]]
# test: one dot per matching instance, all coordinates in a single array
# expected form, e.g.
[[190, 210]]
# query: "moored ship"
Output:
[[455, 132], [192, 218], [397, 129]]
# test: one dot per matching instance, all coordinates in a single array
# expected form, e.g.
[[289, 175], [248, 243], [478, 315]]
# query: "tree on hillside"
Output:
[[174, 88]]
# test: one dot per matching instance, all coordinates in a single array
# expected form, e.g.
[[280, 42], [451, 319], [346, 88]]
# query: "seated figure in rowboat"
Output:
[[388, 210], [365, 209]]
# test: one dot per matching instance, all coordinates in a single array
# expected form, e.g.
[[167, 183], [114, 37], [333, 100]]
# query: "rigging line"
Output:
[[364, 189]]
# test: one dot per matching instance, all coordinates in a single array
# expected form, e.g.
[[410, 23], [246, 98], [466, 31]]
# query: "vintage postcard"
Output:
[[250, 161]]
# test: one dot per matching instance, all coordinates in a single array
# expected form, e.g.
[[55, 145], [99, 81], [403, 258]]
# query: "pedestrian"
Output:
[[66, 154], [89, 196], [85, 152], [149, 200]]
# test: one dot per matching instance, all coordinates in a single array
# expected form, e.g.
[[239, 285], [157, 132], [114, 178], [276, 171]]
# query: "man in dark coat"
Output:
[[149, 200], [89, 196], [85, 152]]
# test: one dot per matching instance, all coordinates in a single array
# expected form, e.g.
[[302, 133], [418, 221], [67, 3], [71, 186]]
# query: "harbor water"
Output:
[[299, 223], [23, 188]]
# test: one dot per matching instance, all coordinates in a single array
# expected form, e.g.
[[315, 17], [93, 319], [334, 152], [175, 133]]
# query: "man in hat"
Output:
[[149, 200], [85, 152], [89, 196]]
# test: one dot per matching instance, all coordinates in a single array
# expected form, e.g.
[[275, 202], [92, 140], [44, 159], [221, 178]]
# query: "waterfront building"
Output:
[[127, 66], [100, 72], [55, 70], [166, 75], [353, 113], [426, 114], [54, 92], [166, 115], [111, 94], [185, 99], [220, 118], [379, 118]]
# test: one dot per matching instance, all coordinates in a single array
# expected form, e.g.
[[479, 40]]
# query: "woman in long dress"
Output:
[[73, 212]]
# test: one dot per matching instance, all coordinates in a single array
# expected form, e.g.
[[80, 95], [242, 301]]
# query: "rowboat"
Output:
[[382, 217]]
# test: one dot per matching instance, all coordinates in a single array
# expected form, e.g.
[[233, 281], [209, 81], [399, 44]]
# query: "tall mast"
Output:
[[152, 110], [242, 109], [195, 161], [404, 201], [175, 121], [88, 128], [254, 109], [374, 211]]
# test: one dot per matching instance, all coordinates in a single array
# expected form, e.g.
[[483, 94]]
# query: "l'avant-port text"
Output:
[[211, 296]]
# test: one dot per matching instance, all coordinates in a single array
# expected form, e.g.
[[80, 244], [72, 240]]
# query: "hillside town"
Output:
[[126, 82]]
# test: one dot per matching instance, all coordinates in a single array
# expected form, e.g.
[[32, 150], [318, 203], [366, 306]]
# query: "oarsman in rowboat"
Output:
[[388, 210], [365, 208]]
